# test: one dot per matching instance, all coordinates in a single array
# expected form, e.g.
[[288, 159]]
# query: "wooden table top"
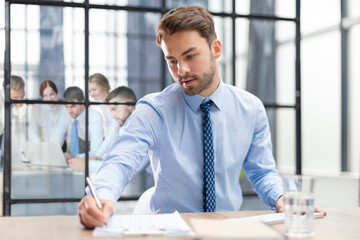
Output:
[[341, 223]]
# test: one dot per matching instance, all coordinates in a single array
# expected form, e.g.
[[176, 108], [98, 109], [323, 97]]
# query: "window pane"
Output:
[[75, 1], [285, 63], [38, 165], [285, 140], [265, 59], [320, 14], [122, 47], [223, 30], [282, 128], [279, 8], [242, 48], [47, 47], [46, 184], [354, 99], [177, 3], [220, 6], [2, 19], [44, 209], [321, 100], [210, 5], [32, 17], [2, 45], [140, 3], [354, 8], [17, 17]]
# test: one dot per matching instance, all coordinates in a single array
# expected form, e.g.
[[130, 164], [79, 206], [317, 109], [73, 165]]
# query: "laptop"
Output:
[[44, 154]]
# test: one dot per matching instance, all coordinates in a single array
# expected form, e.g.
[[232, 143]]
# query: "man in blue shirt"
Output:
[[198, 132]]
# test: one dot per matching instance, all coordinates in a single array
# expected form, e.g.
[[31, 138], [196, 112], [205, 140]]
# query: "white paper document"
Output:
[[272, 218], [153, 224]]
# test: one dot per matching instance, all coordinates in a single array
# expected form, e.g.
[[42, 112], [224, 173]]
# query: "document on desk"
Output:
[[153, 224]]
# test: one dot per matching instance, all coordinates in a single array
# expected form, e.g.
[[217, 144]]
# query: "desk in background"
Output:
[[339, 224], [56, 183]]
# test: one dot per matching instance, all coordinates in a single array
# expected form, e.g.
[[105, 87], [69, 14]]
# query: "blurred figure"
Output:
[[48, 123], [99, 88], [142, 179], [2, 112], [18, 121], [76, 129]]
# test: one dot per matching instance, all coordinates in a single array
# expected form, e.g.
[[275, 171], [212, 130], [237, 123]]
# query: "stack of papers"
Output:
[[157, 224]]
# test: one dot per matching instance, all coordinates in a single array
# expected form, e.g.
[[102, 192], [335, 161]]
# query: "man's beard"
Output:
[[204, 80]]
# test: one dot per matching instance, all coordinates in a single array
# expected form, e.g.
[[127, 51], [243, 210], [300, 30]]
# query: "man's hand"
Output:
[[90, 215], [68, 156], [95, 158], [280, 206], [77, 164]]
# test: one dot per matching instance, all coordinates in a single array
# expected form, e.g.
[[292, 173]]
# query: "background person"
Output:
[[48, 123], [99, 88], [143, 176], [18, 121], [76, 129], [121, 113]]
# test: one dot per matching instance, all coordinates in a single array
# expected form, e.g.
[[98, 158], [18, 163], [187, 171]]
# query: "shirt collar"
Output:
[[194, 101], [80, 117]]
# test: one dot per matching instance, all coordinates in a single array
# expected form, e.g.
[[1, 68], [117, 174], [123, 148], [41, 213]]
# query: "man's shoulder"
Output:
[[241, 95], [164, 98]]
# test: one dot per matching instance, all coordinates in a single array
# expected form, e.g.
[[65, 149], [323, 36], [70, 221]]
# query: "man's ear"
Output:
[[216, 48]]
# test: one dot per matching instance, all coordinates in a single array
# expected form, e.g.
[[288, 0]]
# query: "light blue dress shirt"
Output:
[[168, 127], [96, 132]]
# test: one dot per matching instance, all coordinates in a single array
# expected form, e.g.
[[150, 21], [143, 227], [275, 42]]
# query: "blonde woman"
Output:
[[99, 89]]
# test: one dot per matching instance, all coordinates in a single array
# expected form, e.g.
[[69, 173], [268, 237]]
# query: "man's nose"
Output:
[[183, 68]]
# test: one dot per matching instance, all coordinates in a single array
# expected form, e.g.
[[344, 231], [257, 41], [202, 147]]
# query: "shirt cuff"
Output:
[[274, 198], [102, 194]]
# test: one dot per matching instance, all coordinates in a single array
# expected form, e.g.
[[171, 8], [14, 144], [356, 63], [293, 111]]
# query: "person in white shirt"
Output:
[[99, 88], [76, 145], [48, 123], [126, 100], [2, 115], [18, 120]]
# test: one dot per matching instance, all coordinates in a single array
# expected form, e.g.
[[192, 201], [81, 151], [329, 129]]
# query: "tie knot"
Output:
[[205, 106]]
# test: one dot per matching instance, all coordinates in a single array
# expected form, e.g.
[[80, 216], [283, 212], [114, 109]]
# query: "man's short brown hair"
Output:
[[186, 18]]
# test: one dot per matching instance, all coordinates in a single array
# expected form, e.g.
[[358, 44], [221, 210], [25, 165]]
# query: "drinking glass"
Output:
[[299, 205]]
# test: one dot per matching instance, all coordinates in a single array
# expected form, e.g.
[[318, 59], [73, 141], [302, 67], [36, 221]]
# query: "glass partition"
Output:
[[47, 43], [265, 59], [133, 3], [279, 8], [321, 102]]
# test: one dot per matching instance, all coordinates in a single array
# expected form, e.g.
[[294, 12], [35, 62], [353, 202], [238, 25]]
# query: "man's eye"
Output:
[[172, 62], [190, 56]]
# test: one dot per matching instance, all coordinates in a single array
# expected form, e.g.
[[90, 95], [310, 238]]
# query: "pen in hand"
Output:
[[93, 192]]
